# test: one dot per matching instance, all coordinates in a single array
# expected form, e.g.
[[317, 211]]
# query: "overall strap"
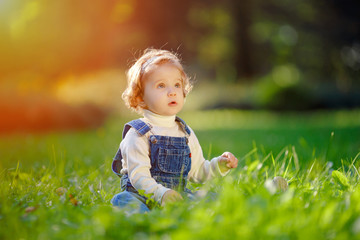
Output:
[[141, 128], [183, 125]]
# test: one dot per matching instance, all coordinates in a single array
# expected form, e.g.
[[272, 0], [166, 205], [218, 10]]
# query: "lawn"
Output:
[[58, 185]]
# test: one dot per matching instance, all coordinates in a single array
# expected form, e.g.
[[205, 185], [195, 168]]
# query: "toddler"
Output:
[[159, 153]]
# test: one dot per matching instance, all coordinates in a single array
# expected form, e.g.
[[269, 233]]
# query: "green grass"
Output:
[[317, 153]]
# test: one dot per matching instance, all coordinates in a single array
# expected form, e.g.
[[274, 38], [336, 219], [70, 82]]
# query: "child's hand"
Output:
[[227, 161], [171, 196]]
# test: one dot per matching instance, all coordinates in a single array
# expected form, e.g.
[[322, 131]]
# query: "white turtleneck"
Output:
[[136, 160]]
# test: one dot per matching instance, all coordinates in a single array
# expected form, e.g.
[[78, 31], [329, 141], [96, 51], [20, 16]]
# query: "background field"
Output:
[[58, 185]]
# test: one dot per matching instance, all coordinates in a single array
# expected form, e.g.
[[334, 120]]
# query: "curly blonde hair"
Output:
[[135, 75]]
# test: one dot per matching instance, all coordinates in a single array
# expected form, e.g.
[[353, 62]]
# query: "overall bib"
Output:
[[170, 164]]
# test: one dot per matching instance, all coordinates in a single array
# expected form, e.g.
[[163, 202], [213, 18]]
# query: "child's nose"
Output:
[[172, 92]]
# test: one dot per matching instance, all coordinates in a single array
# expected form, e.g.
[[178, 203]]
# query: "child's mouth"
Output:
[[172, 104]]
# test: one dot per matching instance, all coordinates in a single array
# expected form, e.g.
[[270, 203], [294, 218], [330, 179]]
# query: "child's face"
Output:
[[163, 90]]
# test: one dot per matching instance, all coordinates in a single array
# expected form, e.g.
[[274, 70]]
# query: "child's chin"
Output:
[[171, 112]]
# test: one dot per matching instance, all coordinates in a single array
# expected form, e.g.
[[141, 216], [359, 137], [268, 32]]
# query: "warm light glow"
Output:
[[20, 19], [102, 88], [122, 11]]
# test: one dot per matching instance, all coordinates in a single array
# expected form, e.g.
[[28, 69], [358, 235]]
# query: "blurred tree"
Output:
[[162, 22], [315, 36], [243, 17], [291, 42]]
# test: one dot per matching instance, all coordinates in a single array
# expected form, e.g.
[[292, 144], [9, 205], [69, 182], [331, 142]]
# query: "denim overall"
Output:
[[170, 164]]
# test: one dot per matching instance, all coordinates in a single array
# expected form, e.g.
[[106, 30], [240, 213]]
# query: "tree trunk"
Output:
[[242, 12]]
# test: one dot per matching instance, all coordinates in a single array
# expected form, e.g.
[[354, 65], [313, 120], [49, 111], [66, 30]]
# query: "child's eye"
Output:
[[161, 85], [178, 85]]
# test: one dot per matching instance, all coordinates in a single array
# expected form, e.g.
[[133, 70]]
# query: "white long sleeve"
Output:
[[136, 159], [135, 152], [201, 169]]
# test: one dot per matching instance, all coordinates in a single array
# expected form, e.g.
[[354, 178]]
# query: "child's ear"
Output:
[[141, 102]]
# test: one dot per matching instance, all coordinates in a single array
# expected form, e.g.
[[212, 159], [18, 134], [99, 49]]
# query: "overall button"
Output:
[[153, 139]]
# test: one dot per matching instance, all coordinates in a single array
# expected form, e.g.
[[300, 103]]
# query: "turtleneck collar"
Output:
[[159, 120]]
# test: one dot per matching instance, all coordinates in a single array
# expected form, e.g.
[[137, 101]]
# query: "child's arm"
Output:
[[135, 151], [203, 170]]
